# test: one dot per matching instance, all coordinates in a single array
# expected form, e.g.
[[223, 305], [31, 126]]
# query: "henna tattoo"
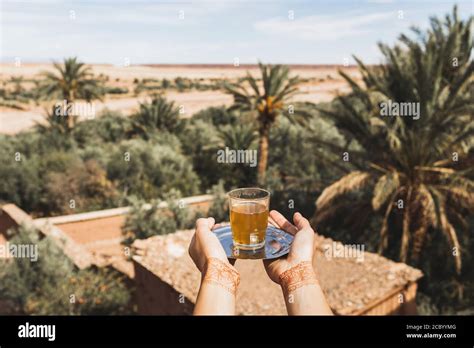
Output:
[[222, 274], [297, 276]]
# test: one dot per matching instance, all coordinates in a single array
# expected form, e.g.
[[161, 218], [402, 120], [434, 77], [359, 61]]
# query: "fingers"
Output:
[[205, 224], [282, 222], [221, 224], [300, 222], [272, 222]]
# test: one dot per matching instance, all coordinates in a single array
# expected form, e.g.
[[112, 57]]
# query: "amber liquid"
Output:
[[249, 224]]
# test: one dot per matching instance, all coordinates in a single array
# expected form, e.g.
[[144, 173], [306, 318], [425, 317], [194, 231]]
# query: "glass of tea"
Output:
[[249, 217]]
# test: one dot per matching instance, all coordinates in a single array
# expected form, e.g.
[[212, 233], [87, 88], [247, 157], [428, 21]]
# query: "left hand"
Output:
[[205, 244]]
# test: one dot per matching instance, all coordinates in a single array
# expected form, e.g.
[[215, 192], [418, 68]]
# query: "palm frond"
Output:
[[350, 182], [384, 188]]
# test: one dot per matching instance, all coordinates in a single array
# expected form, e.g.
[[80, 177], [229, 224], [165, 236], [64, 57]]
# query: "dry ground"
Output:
[[325, 84]]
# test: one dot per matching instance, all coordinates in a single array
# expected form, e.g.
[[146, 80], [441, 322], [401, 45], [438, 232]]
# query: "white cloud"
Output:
[[323, 28]]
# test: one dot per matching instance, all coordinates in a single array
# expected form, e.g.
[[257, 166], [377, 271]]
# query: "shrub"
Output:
[[146, 220], [199, 141], [218, 116], [109, 126], [53, 286], [81, 187], [116, 90], [184, 216], [20, 181], [149, 170], [219, 209]]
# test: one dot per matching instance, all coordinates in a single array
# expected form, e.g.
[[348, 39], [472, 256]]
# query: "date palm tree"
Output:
[[157, 115], [267, 102], [416, 170], [241, 136], [71, 81]]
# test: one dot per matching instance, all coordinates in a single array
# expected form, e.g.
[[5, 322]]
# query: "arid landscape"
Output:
[[125, 132], [322, 84]]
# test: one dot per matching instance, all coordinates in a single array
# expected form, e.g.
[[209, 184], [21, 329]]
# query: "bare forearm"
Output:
[[307, 300], [213, 300], [218, 289], [302, 292]]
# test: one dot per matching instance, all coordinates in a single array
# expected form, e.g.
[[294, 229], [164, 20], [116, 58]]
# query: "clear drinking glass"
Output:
[[249, 217]]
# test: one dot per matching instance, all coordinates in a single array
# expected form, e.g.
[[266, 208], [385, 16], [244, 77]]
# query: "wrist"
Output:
[[221, 273], [299, 275]]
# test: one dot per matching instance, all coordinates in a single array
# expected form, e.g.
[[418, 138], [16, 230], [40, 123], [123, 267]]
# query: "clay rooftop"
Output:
[[351, 285], [372, 285]]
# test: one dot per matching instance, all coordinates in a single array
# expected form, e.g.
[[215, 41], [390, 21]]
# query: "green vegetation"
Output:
[[402, 186], [15, 95], [416, 170], [267, 103], [97, 164], [146, 220], [116, 90], [157, 217], [180, 84], [158, 115], [71, 81], [420, 160], [51, 285]]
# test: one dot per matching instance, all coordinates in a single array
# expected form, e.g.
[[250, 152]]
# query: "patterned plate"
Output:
[[277, 244]]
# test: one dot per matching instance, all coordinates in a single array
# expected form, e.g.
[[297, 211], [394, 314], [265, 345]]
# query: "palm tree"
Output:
[[238, 137], [158, 115], [415, 171], [72, 80], [267, 104], [241, 136], [59, 125]]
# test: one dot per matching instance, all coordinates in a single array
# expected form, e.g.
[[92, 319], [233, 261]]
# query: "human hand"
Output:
[[302, 248], [205, 245], [220, 279]]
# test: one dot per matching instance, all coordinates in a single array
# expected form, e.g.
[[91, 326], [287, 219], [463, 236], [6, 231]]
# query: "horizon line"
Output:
[[200, 65]]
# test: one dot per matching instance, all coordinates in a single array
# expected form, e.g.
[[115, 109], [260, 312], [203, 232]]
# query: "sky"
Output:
[[210, 32]]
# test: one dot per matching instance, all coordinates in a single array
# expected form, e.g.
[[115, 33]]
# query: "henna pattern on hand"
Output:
[[222, 274], [297, 276]]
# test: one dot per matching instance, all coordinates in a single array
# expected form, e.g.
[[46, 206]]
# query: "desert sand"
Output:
[[325, 83]]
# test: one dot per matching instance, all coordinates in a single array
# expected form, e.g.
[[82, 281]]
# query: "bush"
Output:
[[146, 220], [199, 141], [219, 209], [53, 286], [149, 170], [218, 116], [183, 216], [116, 90], [20, 183], [109, 126], [81, 187]]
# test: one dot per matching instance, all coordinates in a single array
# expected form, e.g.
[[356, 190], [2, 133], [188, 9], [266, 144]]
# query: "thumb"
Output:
[[205, 224], [300, 222]]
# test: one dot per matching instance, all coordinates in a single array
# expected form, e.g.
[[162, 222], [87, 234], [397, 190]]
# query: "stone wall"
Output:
[[156, 297]]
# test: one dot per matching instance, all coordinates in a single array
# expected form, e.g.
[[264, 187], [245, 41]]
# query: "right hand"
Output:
[[301, 250]]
